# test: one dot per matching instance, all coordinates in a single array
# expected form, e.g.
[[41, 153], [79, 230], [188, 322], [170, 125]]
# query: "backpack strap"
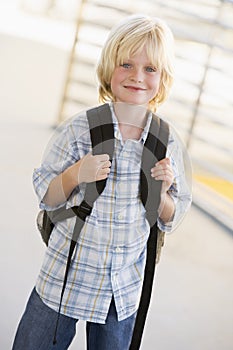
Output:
[[154, 150], [102, 138]]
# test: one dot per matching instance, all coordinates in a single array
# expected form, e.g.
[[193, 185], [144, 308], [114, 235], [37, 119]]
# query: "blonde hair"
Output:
[[129, 37]]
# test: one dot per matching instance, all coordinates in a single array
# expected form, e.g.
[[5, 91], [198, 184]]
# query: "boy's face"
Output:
[[136, 81]]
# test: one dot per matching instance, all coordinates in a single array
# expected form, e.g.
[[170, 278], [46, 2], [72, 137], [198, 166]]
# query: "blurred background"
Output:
[[48, 53]]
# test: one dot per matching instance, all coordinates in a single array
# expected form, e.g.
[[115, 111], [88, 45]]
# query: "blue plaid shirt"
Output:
[[109, 258]]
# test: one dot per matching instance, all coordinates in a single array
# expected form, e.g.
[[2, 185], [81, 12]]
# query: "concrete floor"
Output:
[[192, 305]]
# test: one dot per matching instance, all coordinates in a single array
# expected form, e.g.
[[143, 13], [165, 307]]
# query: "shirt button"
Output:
[[125, 153], [118, 249], [120, 216]]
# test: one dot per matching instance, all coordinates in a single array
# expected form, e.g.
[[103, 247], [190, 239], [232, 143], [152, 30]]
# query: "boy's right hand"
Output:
[[93, 168]]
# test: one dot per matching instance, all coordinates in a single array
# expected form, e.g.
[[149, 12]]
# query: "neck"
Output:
[[131, 115]]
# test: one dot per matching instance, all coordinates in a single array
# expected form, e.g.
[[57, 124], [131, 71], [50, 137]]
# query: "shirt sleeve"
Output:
[[61, 152], [181, 189]]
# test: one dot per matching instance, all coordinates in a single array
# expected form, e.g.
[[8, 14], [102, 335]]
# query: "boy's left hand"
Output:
[[163, 171]]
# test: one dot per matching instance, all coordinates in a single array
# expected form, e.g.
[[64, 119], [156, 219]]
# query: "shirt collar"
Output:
[[147, 127]]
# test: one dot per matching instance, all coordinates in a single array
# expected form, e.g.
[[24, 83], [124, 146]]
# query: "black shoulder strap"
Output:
[[102, 138], [154, 150]]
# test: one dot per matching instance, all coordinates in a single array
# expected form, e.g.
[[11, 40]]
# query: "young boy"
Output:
[[106, 274]]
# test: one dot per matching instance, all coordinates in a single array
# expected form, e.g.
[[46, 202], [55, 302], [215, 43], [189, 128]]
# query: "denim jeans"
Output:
[[37, 326]]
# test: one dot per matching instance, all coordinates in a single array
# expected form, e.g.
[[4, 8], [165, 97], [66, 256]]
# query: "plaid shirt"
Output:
[[110, 254]]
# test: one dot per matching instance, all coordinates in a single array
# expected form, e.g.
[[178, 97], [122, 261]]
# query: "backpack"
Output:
[[102, 138]]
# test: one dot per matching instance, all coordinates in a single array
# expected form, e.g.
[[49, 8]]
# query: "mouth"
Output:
[[133, 88]]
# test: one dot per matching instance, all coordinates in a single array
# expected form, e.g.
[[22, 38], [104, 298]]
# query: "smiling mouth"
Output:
[[134, 88]]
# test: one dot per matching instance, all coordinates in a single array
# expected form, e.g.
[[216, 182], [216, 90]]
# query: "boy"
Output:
[[106, 274]]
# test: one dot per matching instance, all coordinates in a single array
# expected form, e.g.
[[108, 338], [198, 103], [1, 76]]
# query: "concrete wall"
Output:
[[32, 69]]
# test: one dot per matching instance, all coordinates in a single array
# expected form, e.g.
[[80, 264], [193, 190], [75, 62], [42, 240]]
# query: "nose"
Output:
[[137, 75]]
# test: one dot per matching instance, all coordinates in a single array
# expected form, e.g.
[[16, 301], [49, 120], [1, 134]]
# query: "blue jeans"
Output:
[[37, 326]]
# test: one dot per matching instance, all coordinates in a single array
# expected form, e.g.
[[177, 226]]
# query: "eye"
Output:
[[151, 69], [125, 65]]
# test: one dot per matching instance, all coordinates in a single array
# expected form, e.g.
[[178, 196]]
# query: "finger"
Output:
[[103, 157], [166, 169], [104, 171], [164, 177], [103, 174], [164, 161], [163, 166], [106, 165]]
